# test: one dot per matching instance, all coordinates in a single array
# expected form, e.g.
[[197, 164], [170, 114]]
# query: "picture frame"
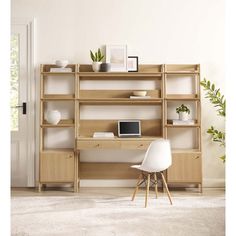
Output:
[[132, 64], [116, 55]]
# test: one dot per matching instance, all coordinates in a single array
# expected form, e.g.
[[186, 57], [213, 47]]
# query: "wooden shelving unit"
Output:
[[57, 165], [186, 167], [186, 163]]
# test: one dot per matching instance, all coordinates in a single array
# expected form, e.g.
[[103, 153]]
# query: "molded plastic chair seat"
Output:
[[157, 159]]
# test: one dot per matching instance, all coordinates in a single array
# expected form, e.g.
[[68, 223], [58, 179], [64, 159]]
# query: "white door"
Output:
[[22, 152]]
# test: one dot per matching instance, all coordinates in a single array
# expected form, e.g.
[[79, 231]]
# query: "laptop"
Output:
[[129, 128]]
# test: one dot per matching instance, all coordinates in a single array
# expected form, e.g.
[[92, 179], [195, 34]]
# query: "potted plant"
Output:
[[97, 59], [183, 112]]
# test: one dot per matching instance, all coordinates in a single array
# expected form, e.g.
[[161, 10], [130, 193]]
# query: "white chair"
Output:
[[157, 159]]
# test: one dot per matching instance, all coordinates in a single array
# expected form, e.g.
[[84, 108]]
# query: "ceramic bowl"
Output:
[[61, 63], [140, 93]]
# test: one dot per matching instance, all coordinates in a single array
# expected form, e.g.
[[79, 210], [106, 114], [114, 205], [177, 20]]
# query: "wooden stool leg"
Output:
[[167, 190], [137, 186], [156, 189], [147, 189]]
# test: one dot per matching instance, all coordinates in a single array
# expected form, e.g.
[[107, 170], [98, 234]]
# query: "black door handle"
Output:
[[23, 107]]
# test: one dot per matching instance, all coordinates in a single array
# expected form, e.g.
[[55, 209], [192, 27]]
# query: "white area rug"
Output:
[[73, 215]]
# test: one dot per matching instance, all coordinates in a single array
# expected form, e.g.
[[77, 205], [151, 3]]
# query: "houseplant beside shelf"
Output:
[[97, 60], [183, 112]]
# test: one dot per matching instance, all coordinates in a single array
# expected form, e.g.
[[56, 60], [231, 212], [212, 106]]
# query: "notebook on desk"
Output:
[[129, 128]]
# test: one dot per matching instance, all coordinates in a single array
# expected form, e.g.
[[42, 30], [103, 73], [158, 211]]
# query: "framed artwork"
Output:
[[116, 55], [132, 64]]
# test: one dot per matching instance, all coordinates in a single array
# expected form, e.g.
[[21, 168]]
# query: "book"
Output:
[[103, 135], [60, 69], [183, 122], [139, 97]]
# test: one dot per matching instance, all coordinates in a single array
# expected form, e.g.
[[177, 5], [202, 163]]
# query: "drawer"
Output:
[[98, 144], [138, 145]]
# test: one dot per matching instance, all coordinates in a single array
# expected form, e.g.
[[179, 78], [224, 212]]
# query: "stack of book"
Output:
[[139, 97], [62, 69], [103, 135], [183, 122]]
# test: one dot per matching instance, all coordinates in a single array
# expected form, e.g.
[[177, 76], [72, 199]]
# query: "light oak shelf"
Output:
[[62, 123], [58, 73], [184, 97], [58, 97], [118, 75], [63, 165], [59, 150], [182, 126], [182, 73], [57, 165], [120, 101]]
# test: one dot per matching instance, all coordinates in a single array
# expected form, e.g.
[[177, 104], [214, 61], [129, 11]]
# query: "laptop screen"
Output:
[[129, 128]]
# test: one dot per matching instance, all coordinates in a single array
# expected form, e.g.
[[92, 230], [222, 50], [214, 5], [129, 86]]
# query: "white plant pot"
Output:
[[183, 116], [53, 116], [96, 66]]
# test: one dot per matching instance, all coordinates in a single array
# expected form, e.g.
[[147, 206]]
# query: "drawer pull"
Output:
[[97, 145], [196, 157], [141, 145]]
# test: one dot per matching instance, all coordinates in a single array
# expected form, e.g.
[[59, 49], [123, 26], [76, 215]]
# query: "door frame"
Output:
[[29, 23]]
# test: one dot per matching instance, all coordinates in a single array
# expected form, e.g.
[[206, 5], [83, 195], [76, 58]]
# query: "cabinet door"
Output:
[[185, 168], [57, 167]]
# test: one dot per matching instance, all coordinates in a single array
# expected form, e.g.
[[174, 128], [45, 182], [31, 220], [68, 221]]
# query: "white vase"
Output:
[[53, 116], [96, 66], [183, 116]]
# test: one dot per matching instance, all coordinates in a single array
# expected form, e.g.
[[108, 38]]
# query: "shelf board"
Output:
[[62, 123], [187, 97], [182, 72], [58, 97], [118, 75], [118, 101], [57, 150], [58, 73], [181, 126]]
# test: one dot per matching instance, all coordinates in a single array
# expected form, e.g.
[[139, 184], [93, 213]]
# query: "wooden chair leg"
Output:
[[137, 186], [167, 190], [39, 187], [147, 189], [156, 185]]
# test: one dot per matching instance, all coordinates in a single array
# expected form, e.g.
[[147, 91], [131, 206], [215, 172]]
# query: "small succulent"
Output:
[[182, 108], [97, 56]]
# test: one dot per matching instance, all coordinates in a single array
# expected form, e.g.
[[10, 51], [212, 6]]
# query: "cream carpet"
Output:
[[117, 216]]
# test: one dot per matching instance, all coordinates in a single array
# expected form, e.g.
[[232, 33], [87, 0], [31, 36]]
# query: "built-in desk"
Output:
[[110, 170], [141, 143]]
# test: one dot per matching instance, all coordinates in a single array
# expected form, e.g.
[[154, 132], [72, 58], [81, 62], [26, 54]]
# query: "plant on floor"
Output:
[[218, 100]]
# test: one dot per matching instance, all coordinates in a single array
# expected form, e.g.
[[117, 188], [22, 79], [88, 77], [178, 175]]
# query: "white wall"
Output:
[[158, 31]]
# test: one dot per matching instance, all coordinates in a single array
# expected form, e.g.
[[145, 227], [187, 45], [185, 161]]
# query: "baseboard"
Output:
[[213, 183]]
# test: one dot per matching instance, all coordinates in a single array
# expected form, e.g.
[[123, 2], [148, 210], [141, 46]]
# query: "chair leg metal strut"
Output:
[[150, 178]]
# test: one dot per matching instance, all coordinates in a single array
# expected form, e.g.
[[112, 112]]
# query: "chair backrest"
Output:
[[158, 156]]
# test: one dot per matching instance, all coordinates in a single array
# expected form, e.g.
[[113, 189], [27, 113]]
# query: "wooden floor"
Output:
[[113, 192]]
